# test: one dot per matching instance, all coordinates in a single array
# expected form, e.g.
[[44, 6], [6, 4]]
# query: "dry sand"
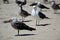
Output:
[[48, 32]]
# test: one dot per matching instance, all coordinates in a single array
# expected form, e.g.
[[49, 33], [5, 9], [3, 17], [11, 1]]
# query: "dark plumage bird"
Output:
[[19, 25], [38, 15], [39, 5], [23, 13], [6, 1], [55, 6], [20, 2]]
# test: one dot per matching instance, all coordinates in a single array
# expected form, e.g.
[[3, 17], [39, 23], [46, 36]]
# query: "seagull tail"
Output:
[[47, 17], [30, 5], [30, 28], [47, 8], [29, 14]]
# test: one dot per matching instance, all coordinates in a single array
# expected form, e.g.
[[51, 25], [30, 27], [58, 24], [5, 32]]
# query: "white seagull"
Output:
[[38, 15]]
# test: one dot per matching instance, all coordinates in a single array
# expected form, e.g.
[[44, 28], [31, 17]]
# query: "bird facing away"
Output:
[[20, 2], [23, 13], [19, 25], [55, 6], [38, 15], [39, 5]]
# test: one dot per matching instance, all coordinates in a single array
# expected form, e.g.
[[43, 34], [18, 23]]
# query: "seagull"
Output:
[[20, 2], [38, 15], [6, 1], [41, 6], [18, 25], [23, 13], [55, 6]]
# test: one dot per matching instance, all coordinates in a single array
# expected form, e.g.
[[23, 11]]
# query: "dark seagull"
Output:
[[19, 25], [38, 15], [39, 5], [55, 6], [20, 2], [6, 1], [23, 13]]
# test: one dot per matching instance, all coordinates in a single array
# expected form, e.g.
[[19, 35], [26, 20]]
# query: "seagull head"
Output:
[[52, 2], [34, 7], [35, 1], [38, 3], [13, 19]]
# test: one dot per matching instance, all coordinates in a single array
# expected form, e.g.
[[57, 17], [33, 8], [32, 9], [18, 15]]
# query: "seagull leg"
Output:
[[36, 22], [18, 32], [41, 10]]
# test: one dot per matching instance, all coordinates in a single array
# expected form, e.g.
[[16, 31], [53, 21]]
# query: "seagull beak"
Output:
[[7, 21]]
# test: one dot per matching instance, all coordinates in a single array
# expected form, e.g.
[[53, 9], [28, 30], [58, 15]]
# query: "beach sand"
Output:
[[47, 32]]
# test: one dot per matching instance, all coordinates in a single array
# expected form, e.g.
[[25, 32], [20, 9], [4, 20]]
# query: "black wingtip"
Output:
[[47, 17], [28, 14], [31, 5], [47, 8], [31, 29]]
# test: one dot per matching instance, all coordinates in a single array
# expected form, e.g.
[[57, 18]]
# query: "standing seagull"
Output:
[[23, 13], [55, 6], [38, 15], [20, 2], [39, 5], [19, 25]]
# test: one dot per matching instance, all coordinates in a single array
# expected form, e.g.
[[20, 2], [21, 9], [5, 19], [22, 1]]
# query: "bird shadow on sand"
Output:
[[27, 21], [25, 34], [43, 24]]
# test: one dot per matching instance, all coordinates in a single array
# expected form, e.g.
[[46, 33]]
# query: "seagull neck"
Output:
[[35, 9], [21, 8], [54, 2], [14, 21]]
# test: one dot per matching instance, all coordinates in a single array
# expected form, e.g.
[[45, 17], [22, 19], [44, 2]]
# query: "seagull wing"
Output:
[[20, 25], [41, 15], [33, 4], [42, 6]]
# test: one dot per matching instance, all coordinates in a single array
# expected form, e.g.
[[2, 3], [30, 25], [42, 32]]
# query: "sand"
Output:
[[47, 32]]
